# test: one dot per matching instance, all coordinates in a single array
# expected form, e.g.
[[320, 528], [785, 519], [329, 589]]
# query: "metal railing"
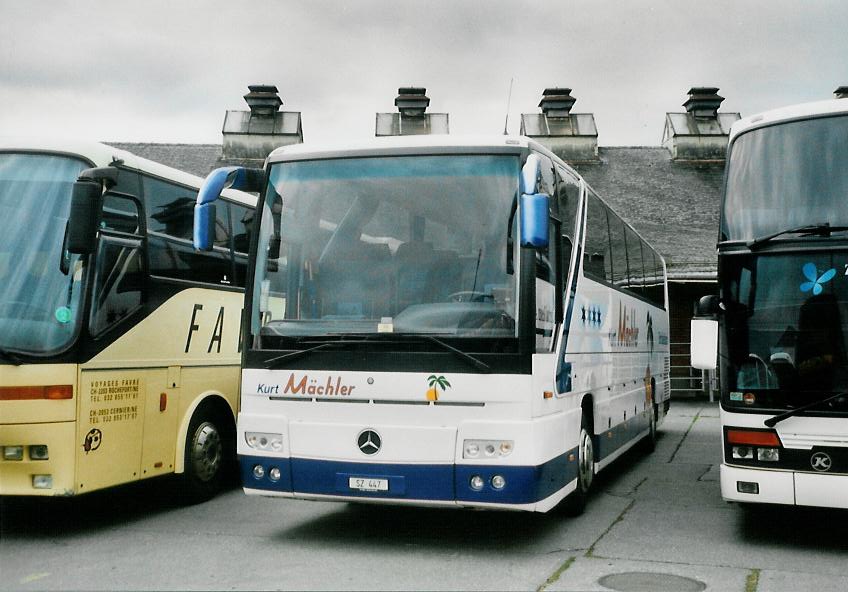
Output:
[[686, 381]]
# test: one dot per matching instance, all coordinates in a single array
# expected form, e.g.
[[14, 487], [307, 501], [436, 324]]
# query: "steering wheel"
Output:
[[470, 296]]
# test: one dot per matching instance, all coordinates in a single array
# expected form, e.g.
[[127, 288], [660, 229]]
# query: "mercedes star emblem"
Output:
[[369, 442], [821, 461]]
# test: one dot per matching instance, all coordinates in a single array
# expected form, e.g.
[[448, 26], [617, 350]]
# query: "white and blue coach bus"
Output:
[[441, 321]]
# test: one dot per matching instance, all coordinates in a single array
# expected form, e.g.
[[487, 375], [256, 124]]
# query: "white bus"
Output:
[[119, 343], [783, 309], [442, 321]]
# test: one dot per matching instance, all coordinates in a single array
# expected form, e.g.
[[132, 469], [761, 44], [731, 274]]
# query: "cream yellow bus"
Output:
[[119, 343]]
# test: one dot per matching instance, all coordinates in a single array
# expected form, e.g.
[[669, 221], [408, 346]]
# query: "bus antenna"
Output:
[[508, 100]]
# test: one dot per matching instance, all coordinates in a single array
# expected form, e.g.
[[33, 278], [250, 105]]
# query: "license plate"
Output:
[[368, 484]]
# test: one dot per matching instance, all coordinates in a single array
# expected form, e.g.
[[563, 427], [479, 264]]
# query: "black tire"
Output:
[[575, 503], [207, 456], [649, 442]]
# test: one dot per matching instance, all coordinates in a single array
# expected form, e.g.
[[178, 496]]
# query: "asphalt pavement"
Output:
[[654, 523]]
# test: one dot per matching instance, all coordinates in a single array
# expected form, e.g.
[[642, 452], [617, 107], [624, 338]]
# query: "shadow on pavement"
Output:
[[55, 516], [820, 529]]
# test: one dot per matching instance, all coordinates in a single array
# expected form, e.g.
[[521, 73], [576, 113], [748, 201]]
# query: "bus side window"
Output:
[[118, 282], [635, 267], [241, 218], [170, 220], [597, 240], [619, 251], [568, 199]]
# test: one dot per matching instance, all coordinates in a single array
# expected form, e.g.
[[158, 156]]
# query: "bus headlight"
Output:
[[13, 453], [264, 441], [768, 454], [39, 452], [486, 448]]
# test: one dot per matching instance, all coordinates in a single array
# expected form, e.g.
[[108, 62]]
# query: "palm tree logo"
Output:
[[436, 383], [816, 280]]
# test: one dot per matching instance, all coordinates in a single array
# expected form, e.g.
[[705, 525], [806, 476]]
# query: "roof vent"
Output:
[[841, 93], [250, 136], [700, 134], [703, 101], [557, 102], [571, 136], [412, 119], [412, 101]]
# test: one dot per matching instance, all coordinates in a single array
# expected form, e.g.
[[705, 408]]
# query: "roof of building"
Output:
[[673, 205], [197, 159]]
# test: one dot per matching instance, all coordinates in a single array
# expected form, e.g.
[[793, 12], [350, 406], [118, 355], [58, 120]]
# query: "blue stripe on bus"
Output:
[[430, 482], [611, 440]]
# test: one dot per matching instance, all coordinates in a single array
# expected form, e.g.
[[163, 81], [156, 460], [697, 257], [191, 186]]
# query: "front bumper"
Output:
[[527, 487], [785, 487]]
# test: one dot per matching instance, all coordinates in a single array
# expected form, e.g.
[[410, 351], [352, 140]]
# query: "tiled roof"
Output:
[[197, 159], [674, 205]]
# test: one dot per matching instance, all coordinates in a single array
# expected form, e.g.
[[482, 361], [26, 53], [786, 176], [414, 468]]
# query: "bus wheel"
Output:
[[649, 444], [576, 502], [205, 459]]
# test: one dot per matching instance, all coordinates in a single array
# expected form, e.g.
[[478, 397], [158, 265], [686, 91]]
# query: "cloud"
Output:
[[167, 71]]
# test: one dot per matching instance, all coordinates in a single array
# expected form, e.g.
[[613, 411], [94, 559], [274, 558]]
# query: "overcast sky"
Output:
[[165, 71]]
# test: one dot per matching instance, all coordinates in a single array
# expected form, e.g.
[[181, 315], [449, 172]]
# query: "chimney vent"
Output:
[[250, 136], [412, 101], [571, 136], [703, 101], [557, 102], [411, 119], [700, 134], [841, 93], [263, 100]]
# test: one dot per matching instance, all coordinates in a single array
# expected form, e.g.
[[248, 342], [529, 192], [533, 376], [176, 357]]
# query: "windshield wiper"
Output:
[[10, 357], [476, 362], [773, 421], [296, 354], [820, 229]]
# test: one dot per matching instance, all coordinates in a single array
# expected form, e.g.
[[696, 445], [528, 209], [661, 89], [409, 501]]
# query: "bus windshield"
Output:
[[400, 244], [786, 317], [787, 176], [39, 296]]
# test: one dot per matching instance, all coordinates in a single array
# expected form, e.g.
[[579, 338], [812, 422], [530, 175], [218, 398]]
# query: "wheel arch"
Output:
[[212, 401]]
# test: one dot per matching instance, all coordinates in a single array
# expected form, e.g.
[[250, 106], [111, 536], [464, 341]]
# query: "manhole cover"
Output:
[[638, 581]]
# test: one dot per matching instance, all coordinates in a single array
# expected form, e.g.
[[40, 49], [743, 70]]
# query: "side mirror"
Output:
[[84, 219], [534, 220], [245, 179], [704, 352]]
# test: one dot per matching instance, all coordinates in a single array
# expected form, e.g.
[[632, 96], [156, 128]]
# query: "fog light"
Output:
[[38, 452], [274, 474], [768, 454], [743, 452], [258, 471], [747, 487], [13, 453], [498, 482], [42, 481], [476, 483]]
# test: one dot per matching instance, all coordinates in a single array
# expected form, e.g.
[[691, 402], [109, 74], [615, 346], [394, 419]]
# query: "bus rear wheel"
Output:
[[575, 503], [206, 450]]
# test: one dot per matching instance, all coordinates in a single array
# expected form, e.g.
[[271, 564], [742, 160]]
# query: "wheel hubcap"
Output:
[[206, 452], [586, 460]]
